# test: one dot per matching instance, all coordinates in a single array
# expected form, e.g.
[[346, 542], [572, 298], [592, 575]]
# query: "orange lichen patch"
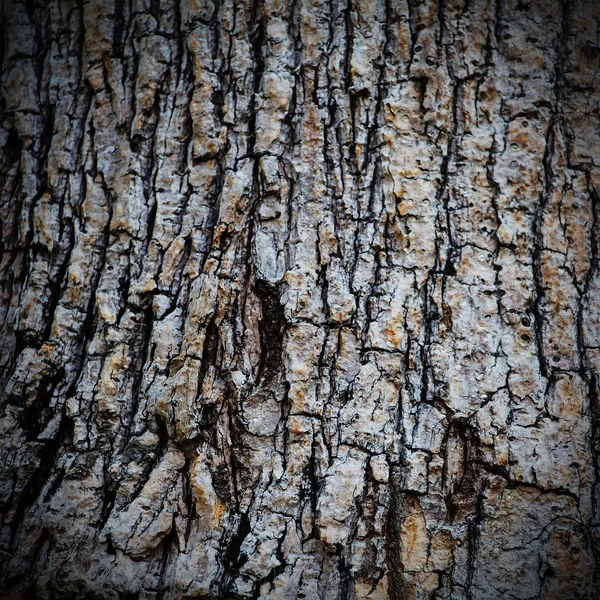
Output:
[[328, 243], [414, 536], [30, 305], [441, 553], [112, 374], [276, 90], [521, 137], [205, 145], [364, 589], [208, 506], [218, 511], [299, 425], [393, 334], [402, 208], [98, 29], [447, 316], [46, 221], [47, 351]]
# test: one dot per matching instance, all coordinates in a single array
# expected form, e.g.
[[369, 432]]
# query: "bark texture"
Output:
[[300, 299]]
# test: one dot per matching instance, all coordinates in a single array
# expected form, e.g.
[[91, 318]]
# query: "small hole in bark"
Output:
[[271, 329], [525, 322], [449, 269], [526, 338], [514, 164], [135, 144], [418, 48], [110, 548], [556, 358], [13, 146], [524, 124]]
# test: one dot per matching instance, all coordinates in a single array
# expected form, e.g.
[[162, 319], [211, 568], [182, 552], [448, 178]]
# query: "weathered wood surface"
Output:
[[300, 299]]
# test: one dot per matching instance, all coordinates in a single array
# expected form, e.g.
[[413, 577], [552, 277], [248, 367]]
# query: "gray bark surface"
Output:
[[300, 299]]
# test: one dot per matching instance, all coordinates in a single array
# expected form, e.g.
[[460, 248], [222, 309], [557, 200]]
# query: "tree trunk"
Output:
[[300, 299]]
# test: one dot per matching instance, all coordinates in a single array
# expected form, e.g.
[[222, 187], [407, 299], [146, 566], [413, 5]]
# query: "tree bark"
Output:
[[300, 299]]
